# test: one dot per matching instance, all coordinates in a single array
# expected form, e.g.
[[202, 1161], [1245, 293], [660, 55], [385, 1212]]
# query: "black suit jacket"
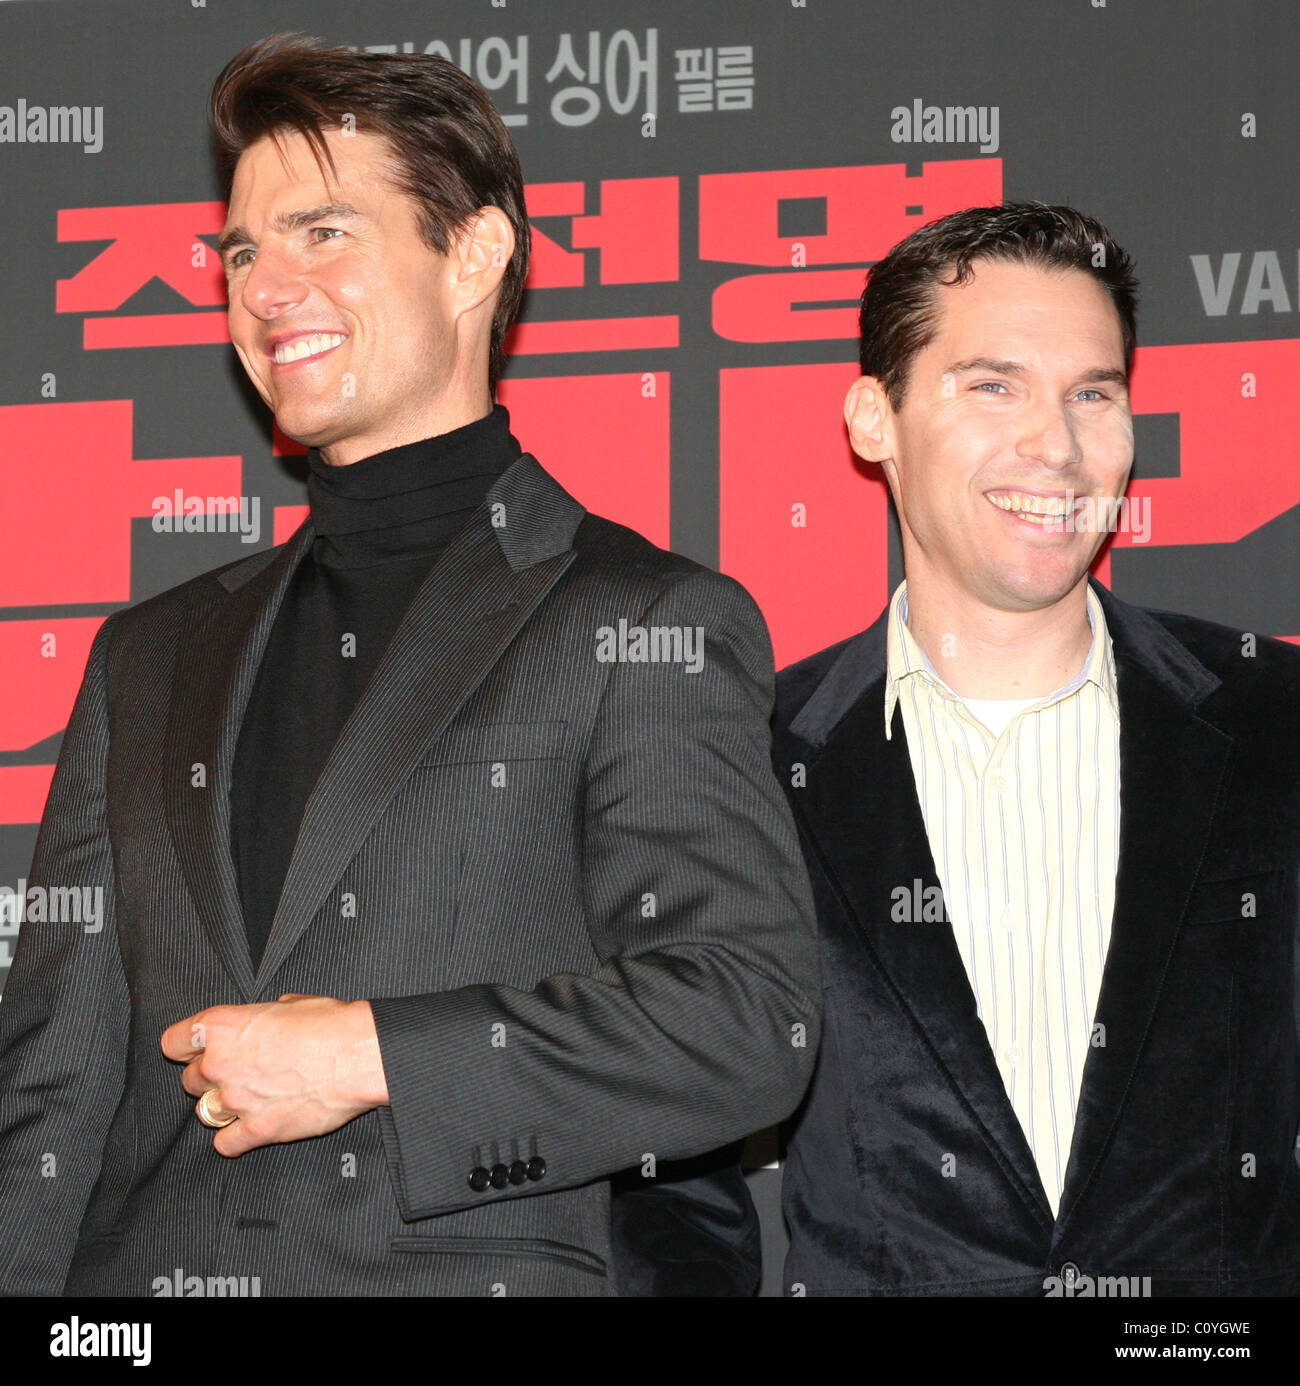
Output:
[[570, 888], [1183, 1165]]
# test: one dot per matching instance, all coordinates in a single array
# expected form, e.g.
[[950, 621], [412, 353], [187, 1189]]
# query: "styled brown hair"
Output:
[[899, 315], [453, 153]]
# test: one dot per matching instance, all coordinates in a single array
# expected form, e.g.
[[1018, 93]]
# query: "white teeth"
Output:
[[308, 346], [1019, 503]]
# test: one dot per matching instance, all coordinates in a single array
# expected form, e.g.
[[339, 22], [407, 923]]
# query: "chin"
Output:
[[303, 428], [1032, 590]]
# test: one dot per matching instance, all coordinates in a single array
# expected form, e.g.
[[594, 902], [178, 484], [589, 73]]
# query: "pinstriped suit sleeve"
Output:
[[65, 1017], [698, 906]]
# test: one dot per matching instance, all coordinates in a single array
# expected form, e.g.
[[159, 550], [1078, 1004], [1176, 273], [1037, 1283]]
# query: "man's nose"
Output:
[[1049, 437], [272, 285]]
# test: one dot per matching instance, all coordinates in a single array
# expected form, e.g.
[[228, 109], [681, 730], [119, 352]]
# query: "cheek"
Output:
[[394, 313], [1111, 451], [243, 339], [955, 452], [977, 433], [352, 293], [371, 306]]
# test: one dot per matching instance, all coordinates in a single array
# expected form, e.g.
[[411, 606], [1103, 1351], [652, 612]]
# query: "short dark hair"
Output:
[[899, 311], [453, 152]]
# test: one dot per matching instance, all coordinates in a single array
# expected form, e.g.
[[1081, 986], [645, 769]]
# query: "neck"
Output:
[[450, 411], [981, 651]]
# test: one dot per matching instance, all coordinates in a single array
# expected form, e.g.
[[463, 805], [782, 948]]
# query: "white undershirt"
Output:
[[995, 713]]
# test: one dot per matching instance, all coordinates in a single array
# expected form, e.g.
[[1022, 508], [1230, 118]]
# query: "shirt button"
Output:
[[999, 782], [1069, 1273], [1013, 1053], [1007, 918]]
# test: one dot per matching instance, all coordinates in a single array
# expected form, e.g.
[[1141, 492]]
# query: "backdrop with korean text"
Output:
[[708, 186]]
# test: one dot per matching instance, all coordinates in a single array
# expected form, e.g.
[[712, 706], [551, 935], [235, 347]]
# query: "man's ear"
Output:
[[482, 251], [869, 418]]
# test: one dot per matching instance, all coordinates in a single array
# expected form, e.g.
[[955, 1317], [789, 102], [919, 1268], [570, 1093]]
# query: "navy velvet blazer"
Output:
[[1183, 1167]]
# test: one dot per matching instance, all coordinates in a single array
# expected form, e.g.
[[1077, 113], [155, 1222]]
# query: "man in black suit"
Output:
[[446, 873], [1054, 838]]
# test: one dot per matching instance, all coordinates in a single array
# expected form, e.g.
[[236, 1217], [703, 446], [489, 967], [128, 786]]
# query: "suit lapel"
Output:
[[216, 663], [1171, 765], [473, 602], [861, 808]]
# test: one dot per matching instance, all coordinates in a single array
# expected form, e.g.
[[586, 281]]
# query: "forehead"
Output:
[[284, 166], [1029, 307]]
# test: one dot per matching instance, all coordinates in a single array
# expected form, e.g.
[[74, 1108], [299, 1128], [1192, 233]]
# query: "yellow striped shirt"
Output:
[[1024, 830]]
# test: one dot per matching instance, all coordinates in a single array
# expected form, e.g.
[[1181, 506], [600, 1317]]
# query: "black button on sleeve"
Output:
[[500, 1176], [479, 1179], [518, 1172], [536, 1168]]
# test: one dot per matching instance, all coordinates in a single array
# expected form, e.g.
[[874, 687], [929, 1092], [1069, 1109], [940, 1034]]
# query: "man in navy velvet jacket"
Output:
[[1054, 838]]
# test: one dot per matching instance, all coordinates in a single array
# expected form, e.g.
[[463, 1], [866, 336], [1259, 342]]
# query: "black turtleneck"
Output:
[[380, 524]]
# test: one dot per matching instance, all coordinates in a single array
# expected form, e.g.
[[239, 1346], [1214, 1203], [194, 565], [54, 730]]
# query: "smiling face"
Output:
[[1018, 401], [354, 330]]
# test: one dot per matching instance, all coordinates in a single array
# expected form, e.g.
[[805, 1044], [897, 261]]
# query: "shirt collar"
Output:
[[906, 659], [413, 481]]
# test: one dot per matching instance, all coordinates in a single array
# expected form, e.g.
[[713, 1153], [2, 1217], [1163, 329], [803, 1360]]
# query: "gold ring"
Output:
[[205, 1112]]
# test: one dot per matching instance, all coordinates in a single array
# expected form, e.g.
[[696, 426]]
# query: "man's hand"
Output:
[[289, 1069]]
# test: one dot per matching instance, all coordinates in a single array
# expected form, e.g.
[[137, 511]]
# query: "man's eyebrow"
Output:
[[985, 363], [1097, 375], [286, 222], [1105, 375]]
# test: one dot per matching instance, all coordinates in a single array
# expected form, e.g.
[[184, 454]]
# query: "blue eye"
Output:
[[997, 384], [1099, 393]]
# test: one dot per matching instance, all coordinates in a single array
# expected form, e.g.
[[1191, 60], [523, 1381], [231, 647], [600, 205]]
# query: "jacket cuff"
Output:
[[439, 1064]]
